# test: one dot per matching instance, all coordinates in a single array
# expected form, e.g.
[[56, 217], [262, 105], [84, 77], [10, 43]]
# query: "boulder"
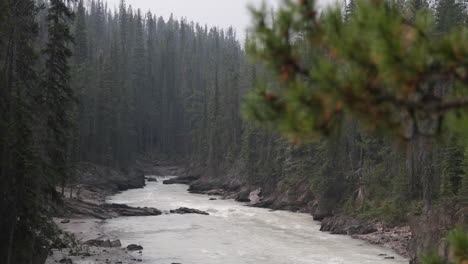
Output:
[[116, 243], [243, 195], [185, 210], [125, 210], [99, 243], [255, 196], [134, 247], [66, 261], [151, 179]]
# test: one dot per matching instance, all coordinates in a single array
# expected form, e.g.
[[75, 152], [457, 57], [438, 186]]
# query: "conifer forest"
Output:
[[356, 114]]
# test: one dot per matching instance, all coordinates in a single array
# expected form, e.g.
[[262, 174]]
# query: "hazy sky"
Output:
[[221, 13]]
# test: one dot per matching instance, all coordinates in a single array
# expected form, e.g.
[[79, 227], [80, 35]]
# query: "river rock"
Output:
[[66, 261], [185, 210], [116, 243], [65, 221], [134, 247], [345, 225], [99, 243], [396, 238], [151, 179]]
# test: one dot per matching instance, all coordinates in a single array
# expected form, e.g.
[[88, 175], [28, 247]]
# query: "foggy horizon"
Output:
[[213, 13]]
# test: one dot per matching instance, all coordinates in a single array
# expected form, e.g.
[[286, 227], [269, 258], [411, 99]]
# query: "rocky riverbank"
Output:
[[394, 238], [82, 250], [82, 214]]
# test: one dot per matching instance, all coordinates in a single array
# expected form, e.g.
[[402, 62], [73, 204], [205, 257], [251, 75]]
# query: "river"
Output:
[[232, 234]]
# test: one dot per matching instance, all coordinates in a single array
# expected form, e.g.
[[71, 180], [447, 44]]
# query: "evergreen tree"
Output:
[[26, 186], [173, 89], [416, 6], [375, 96], [452, 168], [449, 14], [80, 35], [58, 96], [350, 6]]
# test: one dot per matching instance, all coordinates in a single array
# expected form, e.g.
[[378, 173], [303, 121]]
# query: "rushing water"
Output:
[[232, 234]]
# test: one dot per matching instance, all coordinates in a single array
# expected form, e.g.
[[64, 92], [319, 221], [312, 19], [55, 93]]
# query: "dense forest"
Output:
[[82, 82]]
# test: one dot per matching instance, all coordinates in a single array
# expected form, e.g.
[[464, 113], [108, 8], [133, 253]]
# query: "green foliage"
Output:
[[463, 193], [450, 13], [433, 258], [375, 66], [58, 95], [392, 212], [457, 240], [76, 248], [173, 88], [33, 123], [452, 168]]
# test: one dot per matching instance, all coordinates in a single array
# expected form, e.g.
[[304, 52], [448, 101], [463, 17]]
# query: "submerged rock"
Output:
[[185, 210], [116, 243], [134, 247]]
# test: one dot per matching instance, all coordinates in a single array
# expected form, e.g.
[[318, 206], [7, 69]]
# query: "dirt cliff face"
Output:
[[430, 227]]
